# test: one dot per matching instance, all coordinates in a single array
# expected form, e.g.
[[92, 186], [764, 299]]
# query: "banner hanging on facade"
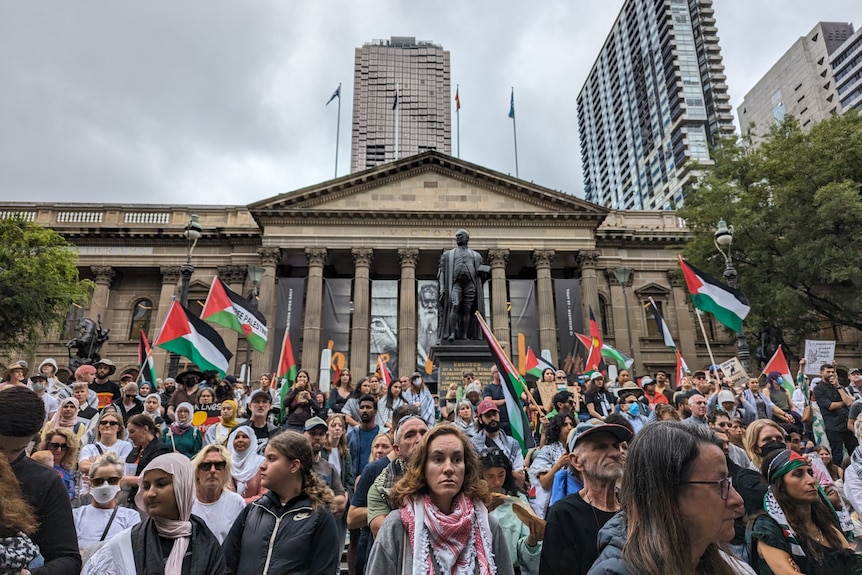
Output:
[[337, 313], [523, 320], [567, 295], [288, 315], [383, 340], [426, 325]]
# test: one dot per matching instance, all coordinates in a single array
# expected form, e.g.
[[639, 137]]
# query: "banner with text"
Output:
[[288, 316], [816, 354], [570, 320]]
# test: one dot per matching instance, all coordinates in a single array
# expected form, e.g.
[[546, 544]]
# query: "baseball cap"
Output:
[[485, 406], [699, 374], [314, 422], [854, 370], [230, 379], [596, 375], [647, 380], [260, 394], [588, 428], [725, 395]]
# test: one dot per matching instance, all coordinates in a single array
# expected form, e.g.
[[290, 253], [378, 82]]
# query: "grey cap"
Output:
[[314, 422]]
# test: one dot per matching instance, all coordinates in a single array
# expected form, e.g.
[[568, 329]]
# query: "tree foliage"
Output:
[[38, 283], [794, 201]]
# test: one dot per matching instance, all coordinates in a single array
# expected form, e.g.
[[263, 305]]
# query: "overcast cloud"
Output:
[[223, 102]]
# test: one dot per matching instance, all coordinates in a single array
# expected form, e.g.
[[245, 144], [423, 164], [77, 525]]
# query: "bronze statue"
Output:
[[88, 342], [460, 277]]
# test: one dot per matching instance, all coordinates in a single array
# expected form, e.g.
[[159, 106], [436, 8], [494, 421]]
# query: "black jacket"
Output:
[[206, 556], [44, 490], [612, 537], [269, 538], [150, 452]]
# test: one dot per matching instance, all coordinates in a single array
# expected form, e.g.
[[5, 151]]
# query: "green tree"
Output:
[[38, 283], [794, 201]]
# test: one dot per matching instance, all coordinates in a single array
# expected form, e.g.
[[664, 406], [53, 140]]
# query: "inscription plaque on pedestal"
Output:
[[452, 359]]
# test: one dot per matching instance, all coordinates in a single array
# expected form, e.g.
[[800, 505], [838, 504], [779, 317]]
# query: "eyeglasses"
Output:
[[109, 423], [724, 485], [99, 481], [130, 396], [210, 465], [56, 446], [630, 402]]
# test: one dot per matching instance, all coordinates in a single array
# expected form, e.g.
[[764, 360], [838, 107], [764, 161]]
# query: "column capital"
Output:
[[316, 257], [232, 273], [543, 258], [498, 258], [408, 257], [673, 278], [362, 256], [104, 275], [588, 259], [170, 274], [269, 256]]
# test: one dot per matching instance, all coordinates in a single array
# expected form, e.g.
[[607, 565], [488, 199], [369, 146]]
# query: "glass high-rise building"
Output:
[[654, 100], [420, 72]]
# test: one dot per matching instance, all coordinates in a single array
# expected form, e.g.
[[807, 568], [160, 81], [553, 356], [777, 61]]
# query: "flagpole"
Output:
[[458, 119], [514, 131], [706, 340], [397, 116], [337, 129]]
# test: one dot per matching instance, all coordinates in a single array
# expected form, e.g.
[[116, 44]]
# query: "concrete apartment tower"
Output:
[[846, 62], [654, 100], [800, 83], [420, 70]]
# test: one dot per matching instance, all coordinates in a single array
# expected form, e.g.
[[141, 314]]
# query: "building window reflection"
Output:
[[142, 315]]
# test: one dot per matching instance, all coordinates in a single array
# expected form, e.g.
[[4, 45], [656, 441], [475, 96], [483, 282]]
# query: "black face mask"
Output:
[[770, 446]]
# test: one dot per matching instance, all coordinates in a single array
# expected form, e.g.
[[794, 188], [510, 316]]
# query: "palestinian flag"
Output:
[[513, 387], [537, 364], [146, 365], [681, 367], [187, 335], [663, 329], [779, 363], [607, 353], [728, 305], [227, 308], [286, 371]]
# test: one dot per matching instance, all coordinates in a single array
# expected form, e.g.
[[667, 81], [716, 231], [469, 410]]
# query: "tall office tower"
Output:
[[800, 83], [846, 63], [420, 71], [653, 101]]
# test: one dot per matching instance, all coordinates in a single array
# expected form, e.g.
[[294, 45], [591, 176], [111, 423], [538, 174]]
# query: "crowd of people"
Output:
[[205, 475]]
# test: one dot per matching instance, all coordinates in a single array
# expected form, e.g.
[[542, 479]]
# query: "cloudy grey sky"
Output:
[[223, 102]]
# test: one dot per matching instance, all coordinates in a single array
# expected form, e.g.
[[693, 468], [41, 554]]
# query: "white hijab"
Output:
[[244, 464]]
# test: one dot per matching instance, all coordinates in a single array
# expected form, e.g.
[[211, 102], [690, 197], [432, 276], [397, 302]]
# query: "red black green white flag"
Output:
[[728, 305], [146, 365], [286, 371], [187, 335], [513, 387], [536, 364], [227, 308], [385, 376]]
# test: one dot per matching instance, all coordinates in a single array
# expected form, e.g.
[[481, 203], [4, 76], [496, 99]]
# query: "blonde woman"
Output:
[[109, 430], [63, 445]]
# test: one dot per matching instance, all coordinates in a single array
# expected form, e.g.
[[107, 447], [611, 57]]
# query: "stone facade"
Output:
[[391, 222]]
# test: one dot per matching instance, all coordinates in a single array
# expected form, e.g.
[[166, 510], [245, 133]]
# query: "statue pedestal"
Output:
[[452, 358]]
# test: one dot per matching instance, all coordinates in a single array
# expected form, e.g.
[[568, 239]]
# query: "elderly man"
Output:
[[258, 420], [573, 522], [217, 505], [697, 406]]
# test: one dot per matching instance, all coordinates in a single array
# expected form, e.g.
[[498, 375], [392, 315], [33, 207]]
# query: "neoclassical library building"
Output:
[[350, 265]]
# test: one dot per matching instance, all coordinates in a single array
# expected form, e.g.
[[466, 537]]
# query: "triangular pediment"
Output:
[[428, 183]]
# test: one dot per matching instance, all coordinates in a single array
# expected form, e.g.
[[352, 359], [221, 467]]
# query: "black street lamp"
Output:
[[255, 274], [192, 232], [723, 239]]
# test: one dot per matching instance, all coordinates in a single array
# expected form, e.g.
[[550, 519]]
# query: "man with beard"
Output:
[[494, 392], [315, 432], [166, 391], [359, 439], [187, 392], [573, 522], [490, 436], [410, 430], [107, 391]]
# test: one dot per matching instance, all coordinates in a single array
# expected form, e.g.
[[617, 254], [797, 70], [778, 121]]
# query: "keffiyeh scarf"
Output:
[[456, 543], [16, 552]]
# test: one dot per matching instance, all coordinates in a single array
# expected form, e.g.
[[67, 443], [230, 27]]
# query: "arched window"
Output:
[[605, 320], [142, 314]]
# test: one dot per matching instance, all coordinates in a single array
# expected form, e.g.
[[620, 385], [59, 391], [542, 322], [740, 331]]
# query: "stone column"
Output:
[[408, 258], [313, 310], [625, 321], [99, 302], [686, 326], [233, 276], [170, 278], [545, 290], [587, 260], [262, 362], [499, 296], [361, 312]]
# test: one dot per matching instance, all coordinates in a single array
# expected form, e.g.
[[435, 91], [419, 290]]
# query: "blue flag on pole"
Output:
[[512, 105], [395, 101], [335, 94]]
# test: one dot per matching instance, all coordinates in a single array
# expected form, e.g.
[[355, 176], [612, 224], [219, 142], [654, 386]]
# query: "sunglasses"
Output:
[[55, 446], [110, 423], [99, 481], [210, 465], [131, 396]]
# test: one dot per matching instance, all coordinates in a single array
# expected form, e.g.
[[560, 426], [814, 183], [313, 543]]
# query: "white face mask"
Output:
[[104, 493]]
